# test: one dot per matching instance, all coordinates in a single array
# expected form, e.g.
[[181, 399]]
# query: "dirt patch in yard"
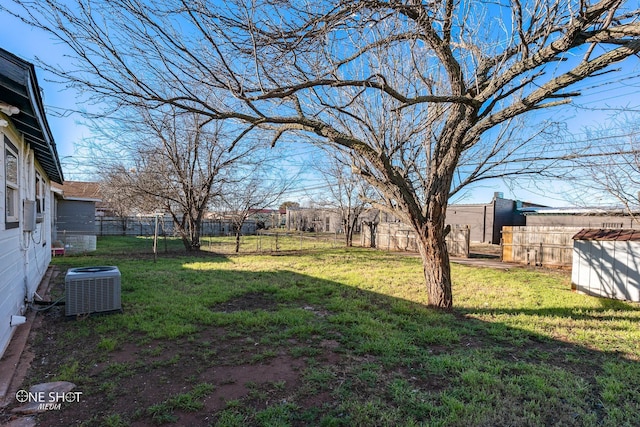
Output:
[[140, 382], [247, 302]]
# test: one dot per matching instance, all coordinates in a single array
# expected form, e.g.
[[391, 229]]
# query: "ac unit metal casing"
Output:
[[92, 290]]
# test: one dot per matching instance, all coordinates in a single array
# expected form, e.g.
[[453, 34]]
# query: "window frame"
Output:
[[39, 195], [10, 150]]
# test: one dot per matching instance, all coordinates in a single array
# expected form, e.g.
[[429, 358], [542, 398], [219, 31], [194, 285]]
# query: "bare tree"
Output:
[[248, 194], [116, 194], [177, 163], [610, 169], [349, 193], [453, 75]]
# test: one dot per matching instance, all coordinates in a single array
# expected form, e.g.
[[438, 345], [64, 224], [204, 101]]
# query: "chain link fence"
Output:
[[270, 241], [145, 226]]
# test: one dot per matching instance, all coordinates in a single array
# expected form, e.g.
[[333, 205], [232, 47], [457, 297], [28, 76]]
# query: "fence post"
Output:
[[540, 254], [155, 240], [164, 239], [467, 241]]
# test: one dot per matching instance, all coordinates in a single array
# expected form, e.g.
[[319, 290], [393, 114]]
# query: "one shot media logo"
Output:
[[48, 401]]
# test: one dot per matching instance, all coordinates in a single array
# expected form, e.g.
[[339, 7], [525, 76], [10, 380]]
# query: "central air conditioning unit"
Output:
[[92, 290]]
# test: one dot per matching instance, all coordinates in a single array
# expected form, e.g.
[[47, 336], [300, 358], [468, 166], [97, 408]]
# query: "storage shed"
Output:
[[76, 211], [606, 262]]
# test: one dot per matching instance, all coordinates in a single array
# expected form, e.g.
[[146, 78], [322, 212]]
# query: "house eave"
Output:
[[19, 87]]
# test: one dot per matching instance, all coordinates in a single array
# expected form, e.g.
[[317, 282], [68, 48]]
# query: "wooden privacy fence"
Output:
[[538, 245], [399, 237]]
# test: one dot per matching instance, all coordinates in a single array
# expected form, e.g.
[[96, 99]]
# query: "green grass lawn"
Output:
[[519, 349]]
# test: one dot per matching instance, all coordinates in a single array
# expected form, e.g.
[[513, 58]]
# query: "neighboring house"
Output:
[[322, 220], [268, 218], [77, 206], [216, 224], [28, 164]]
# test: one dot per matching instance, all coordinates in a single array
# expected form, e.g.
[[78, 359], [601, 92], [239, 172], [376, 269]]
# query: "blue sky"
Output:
[[29, 43], [619, 90]]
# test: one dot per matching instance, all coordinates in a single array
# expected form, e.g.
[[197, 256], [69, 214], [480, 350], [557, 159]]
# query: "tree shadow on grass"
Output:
[[609, 310], [283, 348]]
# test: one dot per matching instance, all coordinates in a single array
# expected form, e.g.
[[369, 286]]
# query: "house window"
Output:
[[11, 184], [39, 195]]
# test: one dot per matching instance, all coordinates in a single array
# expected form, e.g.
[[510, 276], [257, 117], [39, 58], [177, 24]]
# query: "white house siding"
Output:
[[11, 281], [24, 256]]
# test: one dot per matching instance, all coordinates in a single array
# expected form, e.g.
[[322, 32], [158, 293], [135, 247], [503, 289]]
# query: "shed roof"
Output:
[[608, 234], [19, 88]]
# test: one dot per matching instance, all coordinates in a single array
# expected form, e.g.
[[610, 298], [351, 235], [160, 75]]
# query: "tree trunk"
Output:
[[349, 227], [352, 228], [372, 230], [191, 244], [190, 235], [348, 233], [195, 240], [238, 241], [435, 260]]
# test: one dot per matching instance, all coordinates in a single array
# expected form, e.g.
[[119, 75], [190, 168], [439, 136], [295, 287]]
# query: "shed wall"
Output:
[[607, 268], [76, 216]]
